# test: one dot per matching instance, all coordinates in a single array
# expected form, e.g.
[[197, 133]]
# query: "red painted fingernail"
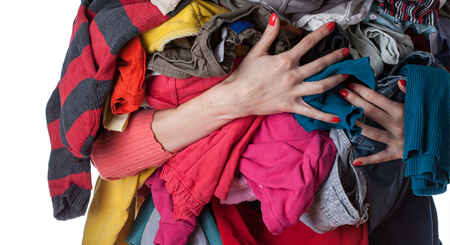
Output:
[[346, 51], [331, 26], [335, 119], [357, 164], [346, 76], [403, 82], [351, 86], [273, 18], [343, 92]]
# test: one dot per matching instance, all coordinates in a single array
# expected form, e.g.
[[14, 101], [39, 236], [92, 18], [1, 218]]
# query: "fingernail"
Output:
[[357, 164], [273, 18], [331, 26], [351, 87], [335, 119], [343, 92], [403, 82], [346, 51], [346, 76]]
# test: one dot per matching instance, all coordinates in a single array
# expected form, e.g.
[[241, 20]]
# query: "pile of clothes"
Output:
[[276, 179]]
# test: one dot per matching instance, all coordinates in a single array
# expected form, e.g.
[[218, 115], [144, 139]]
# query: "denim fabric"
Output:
[[377, 16], [200, 61], [340, 199], [386, 182], [415, 221], [444, 41]]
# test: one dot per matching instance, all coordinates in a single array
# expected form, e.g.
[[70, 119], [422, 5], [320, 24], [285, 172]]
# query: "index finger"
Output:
[[309, 41]]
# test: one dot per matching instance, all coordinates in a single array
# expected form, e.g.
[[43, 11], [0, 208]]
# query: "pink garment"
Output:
[[284, 165], [239, 192], [206, 167], [169, 231], [122, 154]]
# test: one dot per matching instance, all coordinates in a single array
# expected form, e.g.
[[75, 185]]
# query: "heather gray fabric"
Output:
[[340, 199], [197, 237], [200, 61]]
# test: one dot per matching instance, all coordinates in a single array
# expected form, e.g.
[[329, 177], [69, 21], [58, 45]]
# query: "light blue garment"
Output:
[[380, 43], [377, 16], [331, 102], [140, 222]]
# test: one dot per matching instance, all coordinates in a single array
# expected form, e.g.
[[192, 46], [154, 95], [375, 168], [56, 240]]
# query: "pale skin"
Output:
[[266, 84]]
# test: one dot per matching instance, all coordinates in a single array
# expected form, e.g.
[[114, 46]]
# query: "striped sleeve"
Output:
[[73, 111]]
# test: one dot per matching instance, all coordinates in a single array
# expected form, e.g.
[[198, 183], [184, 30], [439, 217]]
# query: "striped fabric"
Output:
[[100, 29], [416, 11]]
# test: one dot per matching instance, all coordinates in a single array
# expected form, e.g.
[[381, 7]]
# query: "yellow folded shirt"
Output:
[[184, 24]]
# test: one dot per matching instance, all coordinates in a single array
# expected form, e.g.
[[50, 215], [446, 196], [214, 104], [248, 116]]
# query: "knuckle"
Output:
[[308, 41], [370, 110], [319, 64], [320, 88], [371, 97], [289, 78]]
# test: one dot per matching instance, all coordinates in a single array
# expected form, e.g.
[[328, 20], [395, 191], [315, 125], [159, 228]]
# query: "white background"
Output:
[[34, 39]]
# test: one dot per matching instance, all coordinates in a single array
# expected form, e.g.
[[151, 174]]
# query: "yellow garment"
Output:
[[186, 23], [112, 209]]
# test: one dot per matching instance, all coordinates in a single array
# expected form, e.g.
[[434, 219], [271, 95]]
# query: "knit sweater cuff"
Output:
[[127, 153]]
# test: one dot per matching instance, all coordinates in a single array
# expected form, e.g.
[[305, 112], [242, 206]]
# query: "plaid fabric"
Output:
[[416, 11], [100, 29]]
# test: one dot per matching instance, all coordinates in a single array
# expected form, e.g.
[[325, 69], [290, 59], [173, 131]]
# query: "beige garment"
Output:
[[165, 6], [113, 122]]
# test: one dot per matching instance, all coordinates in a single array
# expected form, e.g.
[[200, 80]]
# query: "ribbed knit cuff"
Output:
[[426, 177], [127, 153]]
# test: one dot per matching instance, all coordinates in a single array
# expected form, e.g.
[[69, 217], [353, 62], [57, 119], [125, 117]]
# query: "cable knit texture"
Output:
[[121, 154]]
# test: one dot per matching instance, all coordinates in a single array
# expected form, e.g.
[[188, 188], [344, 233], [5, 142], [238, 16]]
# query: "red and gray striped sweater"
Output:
[[100, 29]]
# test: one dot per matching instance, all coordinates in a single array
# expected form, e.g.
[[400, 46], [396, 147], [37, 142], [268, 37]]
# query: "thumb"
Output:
[[269, 35]]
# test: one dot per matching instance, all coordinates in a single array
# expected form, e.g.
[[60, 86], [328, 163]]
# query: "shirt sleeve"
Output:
[[122, 154]]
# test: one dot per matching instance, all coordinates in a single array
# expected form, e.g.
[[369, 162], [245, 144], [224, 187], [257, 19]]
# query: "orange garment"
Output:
[[129, 90]]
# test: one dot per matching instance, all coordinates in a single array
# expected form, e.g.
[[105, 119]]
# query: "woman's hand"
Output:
[[387, 113], [266, 84], [262, 84]]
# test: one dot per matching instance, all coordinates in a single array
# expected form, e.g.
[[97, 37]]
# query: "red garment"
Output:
[[239, 224], [214, 157], [129, 90], [420, 42]]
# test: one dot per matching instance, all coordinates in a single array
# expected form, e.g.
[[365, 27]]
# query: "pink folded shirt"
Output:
[[284, 165]]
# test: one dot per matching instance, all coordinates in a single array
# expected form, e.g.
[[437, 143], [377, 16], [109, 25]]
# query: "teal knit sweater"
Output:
[[427, 128]]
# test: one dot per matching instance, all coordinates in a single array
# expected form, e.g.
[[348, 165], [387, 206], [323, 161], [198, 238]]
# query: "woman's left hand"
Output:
[[387, 113]]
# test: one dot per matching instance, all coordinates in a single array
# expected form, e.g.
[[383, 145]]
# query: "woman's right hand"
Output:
[[266, 84], [262, 84]]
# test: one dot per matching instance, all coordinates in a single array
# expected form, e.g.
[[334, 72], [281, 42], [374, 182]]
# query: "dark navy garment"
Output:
[[414, 222], [387, 185]]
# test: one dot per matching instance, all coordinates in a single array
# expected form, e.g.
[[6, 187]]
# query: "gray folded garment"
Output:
[[339, 200]]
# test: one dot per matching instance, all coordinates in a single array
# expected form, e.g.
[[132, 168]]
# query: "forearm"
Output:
[[179, 127]]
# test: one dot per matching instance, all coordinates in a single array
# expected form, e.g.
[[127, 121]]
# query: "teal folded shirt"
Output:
[[331, 102], [427, 128]]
